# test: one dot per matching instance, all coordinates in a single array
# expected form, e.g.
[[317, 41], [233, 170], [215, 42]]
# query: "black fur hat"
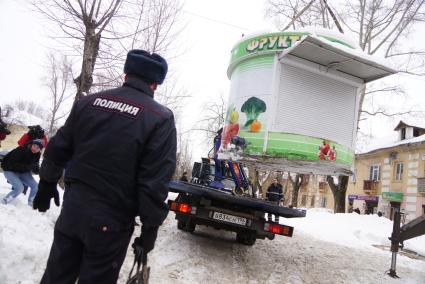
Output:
[[150, 66], [35, 132]]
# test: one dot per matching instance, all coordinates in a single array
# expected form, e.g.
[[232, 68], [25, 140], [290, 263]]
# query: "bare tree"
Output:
[[59, 83], [184, 154], [85, 21], [152, 25], [100, 31], [338, 190], [382, 27], [296, 184], [214, 116]]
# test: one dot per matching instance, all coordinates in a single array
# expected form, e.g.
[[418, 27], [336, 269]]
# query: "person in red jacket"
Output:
[[35, 132]]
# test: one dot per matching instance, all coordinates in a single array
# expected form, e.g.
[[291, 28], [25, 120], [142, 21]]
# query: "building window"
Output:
[[398, 171], [415, 132], [375, 173], [403, 133], [323, 202], [312, 201]]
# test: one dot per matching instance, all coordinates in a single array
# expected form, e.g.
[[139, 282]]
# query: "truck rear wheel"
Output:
[[246, 238]]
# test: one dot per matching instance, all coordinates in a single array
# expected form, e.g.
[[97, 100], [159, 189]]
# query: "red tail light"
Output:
[[279, 229], [180, 207], [185, 208]]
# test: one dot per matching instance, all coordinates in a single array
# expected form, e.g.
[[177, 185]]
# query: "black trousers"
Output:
[[89, 245], [269, 215]]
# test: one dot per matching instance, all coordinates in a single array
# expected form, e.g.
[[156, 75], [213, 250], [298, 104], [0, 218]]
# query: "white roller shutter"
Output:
[[315, 105]]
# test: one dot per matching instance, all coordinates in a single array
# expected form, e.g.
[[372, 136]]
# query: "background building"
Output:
[[391, 176]]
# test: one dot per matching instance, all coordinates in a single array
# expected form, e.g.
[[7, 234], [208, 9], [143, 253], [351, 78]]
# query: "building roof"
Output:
[[387, 144], [405, 123]]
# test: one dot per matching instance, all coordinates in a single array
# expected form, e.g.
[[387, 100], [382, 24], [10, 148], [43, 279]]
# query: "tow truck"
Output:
[[219, 195]]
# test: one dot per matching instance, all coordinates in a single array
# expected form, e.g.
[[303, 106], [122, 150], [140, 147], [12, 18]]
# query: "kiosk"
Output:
[[294, 98]]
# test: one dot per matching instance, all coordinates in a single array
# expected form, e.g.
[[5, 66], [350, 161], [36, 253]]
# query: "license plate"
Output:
[[229, 218]]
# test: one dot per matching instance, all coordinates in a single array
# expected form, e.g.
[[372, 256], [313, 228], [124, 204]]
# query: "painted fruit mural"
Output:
[[252, 108], [232, 126]]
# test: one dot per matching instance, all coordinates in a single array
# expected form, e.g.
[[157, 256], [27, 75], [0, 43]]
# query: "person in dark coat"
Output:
[[18, 165], [274, 194], [119, 148], [184, 177]]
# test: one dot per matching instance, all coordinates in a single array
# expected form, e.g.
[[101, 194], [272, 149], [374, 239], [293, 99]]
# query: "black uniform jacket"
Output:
[[121, 143], [274, 192], [21, 160]]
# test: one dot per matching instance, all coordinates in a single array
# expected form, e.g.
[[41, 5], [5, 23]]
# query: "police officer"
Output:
[[275, 195], [118, 148]]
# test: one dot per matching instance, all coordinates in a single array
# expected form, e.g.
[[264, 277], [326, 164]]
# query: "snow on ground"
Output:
[[325, 248], [24, 118]]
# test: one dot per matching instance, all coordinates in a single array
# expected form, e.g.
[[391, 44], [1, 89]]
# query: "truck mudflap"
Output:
[[223, 196]]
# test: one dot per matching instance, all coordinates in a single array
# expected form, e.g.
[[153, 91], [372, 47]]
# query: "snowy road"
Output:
[[325, 248], [211, 256]]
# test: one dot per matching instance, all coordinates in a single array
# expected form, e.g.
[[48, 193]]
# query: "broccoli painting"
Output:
[[252, 108]]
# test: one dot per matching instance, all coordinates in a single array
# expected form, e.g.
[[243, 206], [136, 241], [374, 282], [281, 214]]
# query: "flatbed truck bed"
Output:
[[198, 204]]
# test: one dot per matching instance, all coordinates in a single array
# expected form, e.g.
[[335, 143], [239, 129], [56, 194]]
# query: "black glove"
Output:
[[46, 191], [146, 240]]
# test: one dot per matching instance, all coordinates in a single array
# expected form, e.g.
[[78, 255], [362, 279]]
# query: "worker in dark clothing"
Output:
[[275, 195], [119, 148], [184, 177]]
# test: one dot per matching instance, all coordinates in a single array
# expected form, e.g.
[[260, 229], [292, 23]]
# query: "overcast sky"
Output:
[[213, 27]]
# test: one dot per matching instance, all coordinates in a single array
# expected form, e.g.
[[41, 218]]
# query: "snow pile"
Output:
[[25, 238], [24, 118], [351, 230], [348, 37], [325, 248]]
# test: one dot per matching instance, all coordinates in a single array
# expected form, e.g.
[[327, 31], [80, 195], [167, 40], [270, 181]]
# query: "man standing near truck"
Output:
[[119, 149], [275, 195]]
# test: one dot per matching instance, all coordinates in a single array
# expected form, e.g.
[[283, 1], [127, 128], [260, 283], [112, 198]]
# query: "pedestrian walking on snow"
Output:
[[119, 148], [18, 166]]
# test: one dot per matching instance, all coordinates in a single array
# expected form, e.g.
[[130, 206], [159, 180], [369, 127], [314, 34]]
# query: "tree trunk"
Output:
[[338, 190], [256, 187], [84, 81], [296, 184]]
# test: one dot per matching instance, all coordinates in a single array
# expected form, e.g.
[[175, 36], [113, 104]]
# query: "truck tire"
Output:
[[246, 238], [186, 226], [181, 225]]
